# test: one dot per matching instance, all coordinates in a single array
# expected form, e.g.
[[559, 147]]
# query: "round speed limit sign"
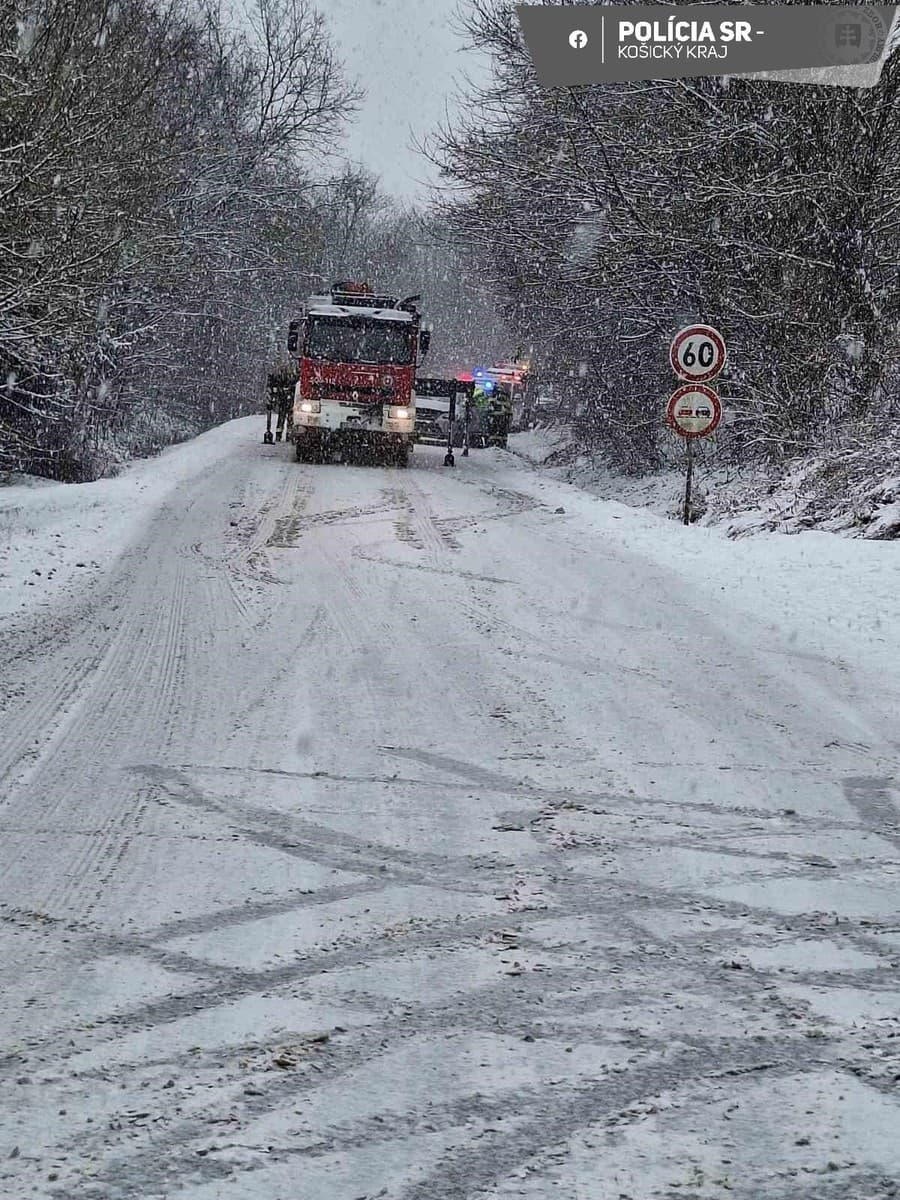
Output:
[[697, 353]]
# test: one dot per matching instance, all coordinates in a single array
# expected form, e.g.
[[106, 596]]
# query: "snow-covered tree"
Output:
[[157, 212], [607, 216]]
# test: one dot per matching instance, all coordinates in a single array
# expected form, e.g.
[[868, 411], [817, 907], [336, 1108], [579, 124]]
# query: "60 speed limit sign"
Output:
[[694, 410], [697, 353]]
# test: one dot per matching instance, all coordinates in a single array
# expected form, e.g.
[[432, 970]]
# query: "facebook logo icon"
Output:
[[578, 39]]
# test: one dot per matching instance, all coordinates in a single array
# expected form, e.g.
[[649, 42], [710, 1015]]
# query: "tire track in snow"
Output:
[[289, 529], [546, 1115], [575, 895], [532, 1105], [135, 685], [133, 691], [562, 795], [248, 559], [296, 835], [366, 555], [555, 984], [31, 725], [165, 1161], [305, 646], [120, 647], [420, 518]]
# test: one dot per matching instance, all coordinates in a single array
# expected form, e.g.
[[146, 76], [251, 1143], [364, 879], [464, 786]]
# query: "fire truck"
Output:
[[357, 356]]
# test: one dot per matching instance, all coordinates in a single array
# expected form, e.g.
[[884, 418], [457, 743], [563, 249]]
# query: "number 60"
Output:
[[705, 355]]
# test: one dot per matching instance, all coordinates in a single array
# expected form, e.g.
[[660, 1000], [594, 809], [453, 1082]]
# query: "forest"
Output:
[[172, 188], [170, 195], [612, 215]]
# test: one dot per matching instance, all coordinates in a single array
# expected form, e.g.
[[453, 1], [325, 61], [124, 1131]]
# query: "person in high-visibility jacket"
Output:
[[281, 382], [479, 416]]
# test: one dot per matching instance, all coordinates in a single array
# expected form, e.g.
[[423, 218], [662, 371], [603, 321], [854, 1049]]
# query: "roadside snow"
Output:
[[825, 594], [855, 493], [536, 445], [54, 537], [815, 587]]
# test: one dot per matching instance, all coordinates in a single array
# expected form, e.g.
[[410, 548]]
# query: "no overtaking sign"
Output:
[[694, 410]]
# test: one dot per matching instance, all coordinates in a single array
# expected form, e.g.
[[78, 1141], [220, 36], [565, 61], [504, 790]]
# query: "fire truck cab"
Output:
[[357, 356]]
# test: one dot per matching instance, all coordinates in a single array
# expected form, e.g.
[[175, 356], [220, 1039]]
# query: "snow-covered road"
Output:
[[437, 834]]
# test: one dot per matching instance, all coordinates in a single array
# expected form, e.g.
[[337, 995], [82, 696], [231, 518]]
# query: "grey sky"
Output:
[[408, 55]]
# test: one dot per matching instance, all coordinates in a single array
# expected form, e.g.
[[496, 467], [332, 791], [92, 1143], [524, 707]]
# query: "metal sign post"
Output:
[[449, 459], [686, 512], [697, 354]]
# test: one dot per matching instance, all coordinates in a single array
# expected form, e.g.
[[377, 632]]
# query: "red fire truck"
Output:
[[358, 353]]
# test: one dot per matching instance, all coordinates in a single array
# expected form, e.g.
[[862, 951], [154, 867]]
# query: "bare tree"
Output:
[[157, 210], [607, 216]]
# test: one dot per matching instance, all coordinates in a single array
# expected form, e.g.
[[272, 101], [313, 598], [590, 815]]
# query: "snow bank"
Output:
[[53, 536], [834, 596], [855, 492], [537, 445]]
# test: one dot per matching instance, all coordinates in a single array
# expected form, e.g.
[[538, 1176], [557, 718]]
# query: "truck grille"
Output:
[[344, 393]]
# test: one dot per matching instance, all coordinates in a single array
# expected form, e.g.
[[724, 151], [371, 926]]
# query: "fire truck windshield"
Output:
[[349, 340]]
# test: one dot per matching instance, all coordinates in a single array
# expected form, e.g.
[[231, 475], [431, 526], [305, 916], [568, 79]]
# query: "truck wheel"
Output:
[[402, 456]]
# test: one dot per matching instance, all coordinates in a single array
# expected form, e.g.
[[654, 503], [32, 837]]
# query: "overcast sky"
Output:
[[408, 55]]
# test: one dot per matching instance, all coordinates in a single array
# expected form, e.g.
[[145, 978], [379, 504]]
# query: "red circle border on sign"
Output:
[[675, 398], [697, 331]]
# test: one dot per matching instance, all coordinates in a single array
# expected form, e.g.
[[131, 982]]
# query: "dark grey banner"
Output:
[[804, 43]]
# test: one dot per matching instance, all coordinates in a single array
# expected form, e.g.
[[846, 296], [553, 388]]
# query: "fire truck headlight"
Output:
[[400, 414], [387, 381], [310, 406]]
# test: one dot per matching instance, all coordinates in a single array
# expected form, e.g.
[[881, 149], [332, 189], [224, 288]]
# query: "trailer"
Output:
[[433, 419], [441, 406]]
